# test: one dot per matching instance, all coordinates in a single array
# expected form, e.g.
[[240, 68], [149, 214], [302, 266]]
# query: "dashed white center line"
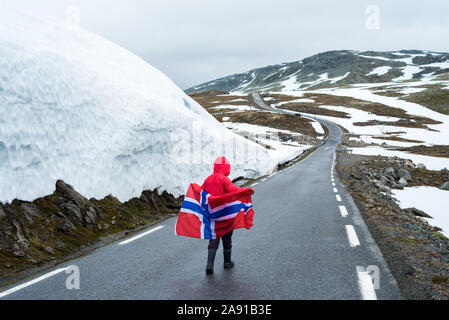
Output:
[[343, 211], [335, 190], [338, 197], [140, 235], [254, 184], [333, 184], [263, 179], [29, 283], [352, 236], [366, 285]]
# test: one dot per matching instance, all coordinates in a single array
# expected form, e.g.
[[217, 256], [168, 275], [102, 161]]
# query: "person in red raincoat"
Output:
[[217, 184]]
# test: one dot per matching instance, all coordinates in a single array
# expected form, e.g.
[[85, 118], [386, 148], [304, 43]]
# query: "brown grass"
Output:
[[349, 102], [396, 138], [441, 151], [435, 98]]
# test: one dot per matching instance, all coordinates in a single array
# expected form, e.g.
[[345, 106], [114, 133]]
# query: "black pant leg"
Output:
[[213, 243], [227, 240]]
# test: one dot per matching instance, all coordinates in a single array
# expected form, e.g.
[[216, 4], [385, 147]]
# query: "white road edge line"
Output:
[[29, 283], [352, 236], [343, 211], [366, 284], [140, 235], [338, 197]]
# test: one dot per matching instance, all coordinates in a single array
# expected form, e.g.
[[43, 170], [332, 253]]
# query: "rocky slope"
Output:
[[335, 68], [65, 223], [417, 253]]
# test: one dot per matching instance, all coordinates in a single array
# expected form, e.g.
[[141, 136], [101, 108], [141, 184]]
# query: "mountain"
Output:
[[79, 108], [335, 68]]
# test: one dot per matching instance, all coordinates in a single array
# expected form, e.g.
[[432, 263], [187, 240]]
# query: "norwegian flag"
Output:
[[205, 216]]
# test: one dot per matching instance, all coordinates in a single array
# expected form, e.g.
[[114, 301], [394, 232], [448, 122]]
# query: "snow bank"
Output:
[[432, 201], [77, 107]]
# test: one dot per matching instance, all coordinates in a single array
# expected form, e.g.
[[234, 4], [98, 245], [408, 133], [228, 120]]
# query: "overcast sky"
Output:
[[194, 41]]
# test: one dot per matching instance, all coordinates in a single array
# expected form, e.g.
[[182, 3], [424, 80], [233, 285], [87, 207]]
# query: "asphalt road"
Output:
[[305, 244]]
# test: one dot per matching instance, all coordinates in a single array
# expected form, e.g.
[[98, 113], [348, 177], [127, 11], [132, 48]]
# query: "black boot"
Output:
[[228, 263], [210, 261]]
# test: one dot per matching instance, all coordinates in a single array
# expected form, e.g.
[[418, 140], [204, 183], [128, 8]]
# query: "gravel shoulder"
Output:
[[416, 252]]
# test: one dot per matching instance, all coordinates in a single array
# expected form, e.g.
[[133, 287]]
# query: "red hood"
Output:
[[222, 166]]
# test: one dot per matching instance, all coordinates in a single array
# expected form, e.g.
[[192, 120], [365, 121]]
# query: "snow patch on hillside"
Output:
[[407, 73], [438, 137], [379, 71], [432, 201]]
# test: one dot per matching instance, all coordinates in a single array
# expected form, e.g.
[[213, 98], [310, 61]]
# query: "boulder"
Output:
[[49, 250], [70, 193], [30, 211], [356, 175], [445, 186], [417, 212], [72, 210], [402, 173], [445, 174], [421, 166], [390, 172], [398, 186], [170, 201], [2, 213], [409, 164], [403, 181], [19, 254], [64, 224], [91, 216], [384, 180]]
